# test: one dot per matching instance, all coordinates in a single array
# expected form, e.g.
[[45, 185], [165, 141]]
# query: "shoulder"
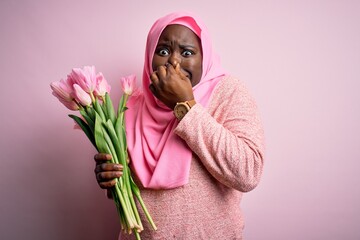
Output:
[[230, 95], [230, 87]]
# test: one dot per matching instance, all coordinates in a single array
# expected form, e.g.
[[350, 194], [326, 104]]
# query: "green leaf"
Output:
[[86, 129], [114, 139], [109, 108], [110, 143], [121, 105], [123, 132], [99, 135], [91, 113], [98, 109], [103, 108], [88, 119], [118, 124]]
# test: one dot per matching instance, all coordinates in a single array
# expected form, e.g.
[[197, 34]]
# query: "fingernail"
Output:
[[118, 167]]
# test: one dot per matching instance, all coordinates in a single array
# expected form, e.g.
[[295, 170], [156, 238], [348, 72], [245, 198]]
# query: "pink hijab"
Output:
[[161, 159]]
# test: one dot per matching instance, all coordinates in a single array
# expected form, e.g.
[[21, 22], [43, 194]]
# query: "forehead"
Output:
[[180, 34]]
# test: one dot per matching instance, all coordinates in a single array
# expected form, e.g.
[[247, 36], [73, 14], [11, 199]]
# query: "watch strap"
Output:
[[190, 103]]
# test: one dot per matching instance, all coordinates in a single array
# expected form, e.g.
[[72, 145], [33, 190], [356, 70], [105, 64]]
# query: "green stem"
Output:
[[137, 235], [118, 207], [92, 97], [126, 202], [133, 205], [110, 137], [128, 218], [122, 103], [136, 191]]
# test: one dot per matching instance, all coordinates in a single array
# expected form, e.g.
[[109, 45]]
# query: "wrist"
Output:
[[182, 108]]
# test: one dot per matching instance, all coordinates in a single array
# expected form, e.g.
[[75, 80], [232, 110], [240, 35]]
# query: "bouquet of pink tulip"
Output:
[[88, 92]]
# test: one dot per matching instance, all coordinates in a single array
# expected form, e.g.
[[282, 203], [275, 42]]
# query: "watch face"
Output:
[[180, 111]]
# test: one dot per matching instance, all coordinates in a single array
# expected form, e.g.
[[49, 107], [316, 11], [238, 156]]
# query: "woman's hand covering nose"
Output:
[[170, 85]]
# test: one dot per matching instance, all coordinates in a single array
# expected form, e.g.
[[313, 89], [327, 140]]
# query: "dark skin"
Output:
[[177, 67]]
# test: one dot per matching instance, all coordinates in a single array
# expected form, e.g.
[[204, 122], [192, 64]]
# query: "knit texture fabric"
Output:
[[227, 141]]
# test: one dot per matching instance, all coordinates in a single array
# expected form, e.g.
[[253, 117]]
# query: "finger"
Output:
[[177, 69], [170, 69], [100, 157], [107, 176], [154, 78], [161, 72], [109, 184], [104, 167]]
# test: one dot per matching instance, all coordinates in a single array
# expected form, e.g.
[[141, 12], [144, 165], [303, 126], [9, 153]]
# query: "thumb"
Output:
[[178, 71], [177, 68]]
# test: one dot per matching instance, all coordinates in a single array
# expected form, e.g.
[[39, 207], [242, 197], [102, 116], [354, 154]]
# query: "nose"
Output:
[[174, 59]]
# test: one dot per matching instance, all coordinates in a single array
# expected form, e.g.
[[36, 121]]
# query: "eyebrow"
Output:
[[167, 43], [186, 46]]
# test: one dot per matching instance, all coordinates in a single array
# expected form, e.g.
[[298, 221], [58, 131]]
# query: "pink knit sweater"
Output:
[[227, 141]]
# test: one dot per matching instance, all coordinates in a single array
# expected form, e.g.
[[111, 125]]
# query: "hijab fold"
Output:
[[161, 159]]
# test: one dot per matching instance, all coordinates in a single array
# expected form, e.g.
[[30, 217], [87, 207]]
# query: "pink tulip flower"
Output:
[[64, 92], [81, 96], [85, 78], [63, 89], [102, 86], [72, 105], [128, 84]]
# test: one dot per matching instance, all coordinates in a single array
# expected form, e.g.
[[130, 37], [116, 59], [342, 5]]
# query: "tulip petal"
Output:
[[85, 78], [64, 93], [102, 86], [81, 96], [62, 90], [72, 105], [128, 84]]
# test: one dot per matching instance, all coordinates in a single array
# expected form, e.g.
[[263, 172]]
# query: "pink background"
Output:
[[300, 59]]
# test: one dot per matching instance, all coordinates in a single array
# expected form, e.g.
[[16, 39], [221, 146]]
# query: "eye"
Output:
[[187, 53], [162, 52]]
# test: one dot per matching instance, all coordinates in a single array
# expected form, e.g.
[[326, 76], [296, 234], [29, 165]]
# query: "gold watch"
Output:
[[181, 108]]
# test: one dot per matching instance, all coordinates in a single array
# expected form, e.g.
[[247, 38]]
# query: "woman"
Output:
[[195, 139]]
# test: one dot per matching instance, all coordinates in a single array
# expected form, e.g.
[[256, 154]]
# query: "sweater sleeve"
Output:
[[227, 136]]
